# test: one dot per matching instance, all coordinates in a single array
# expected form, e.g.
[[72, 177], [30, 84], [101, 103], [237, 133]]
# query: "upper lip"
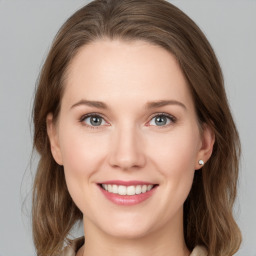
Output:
[[127, 183]]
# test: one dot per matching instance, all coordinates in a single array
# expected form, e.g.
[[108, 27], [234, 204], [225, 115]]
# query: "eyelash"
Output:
[[170, 117]]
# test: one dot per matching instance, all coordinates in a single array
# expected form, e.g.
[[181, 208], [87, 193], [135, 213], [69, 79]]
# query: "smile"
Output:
[[127, 190]]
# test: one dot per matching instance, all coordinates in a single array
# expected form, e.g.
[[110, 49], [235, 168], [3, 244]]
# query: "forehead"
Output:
[[128, 70]]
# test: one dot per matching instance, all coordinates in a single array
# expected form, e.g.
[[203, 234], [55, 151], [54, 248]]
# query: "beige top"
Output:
[[77, 243]]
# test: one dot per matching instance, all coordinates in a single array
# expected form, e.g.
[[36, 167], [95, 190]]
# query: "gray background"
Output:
[[26, 31]]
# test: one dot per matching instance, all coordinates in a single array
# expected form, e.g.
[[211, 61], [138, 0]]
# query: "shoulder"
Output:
[[199, 251], [73, 247]]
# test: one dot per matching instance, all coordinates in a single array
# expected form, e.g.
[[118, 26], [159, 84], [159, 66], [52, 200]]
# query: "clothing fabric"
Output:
[[72, 249]]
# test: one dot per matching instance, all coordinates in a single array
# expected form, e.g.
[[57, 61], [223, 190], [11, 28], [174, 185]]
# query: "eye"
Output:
[[93, 121], [162, 120], [96, 121]]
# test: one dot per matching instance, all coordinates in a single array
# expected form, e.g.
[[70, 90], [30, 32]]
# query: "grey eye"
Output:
[[93, 120], [96, 121], [161, 120]]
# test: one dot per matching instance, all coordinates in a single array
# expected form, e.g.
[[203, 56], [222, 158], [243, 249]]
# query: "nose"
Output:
[[127, 149]]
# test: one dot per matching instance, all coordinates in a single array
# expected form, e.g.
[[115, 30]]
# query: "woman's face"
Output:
[[128, 138]]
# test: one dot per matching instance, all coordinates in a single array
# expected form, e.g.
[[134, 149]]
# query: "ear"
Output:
[[54, 139], [207, 142]]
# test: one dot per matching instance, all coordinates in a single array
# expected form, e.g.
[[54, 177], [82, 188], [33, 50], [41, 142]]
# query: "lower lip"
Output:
[[127, 200]]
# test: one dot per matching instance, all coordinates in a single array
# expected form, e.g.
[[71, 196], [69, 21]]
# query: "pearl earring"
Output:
[[201, 162]]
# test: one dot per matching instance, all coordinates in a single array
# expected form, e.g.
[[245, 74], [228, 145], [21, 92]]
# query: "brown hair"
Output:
[[208, 218]]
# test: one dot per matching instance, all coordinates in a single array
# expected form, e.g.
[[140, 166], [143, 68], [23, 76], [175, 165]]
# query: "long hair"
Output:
[[208, 218]]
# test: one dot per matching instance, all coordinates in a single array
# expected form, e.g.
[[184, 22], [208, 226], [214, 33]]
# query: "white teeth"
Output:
[[127, 190], [138, 189], [130, 190], [121, 190], [149, 187], [114, 189], [109, 188], [144, 188]]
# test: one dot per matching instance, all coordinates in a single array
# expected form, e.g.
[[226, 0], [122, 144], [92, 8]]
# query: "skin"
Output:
[[129, 145]]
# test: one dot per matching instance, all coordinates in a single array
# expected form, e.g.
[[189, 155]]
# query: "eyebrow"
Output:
[[91, 103], [162, 103], [149, 105]]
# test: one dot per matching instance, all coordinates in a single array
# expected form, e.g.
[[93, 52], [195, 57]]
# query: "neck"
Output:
[[168, 240]]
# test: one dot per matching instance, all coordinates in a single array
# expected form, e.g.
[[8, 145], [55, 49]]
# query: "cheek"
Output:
[[81, 151], [81, 156], [178, 150], [175, 157]]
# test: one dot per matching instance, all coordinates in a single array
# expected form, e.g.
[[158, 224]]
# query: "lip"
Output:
[[126, 200], [126, 183]]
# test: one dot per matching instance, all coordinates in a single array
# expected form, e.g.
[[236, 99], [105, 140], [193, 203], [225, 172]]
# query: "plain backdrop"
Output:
[[26, 32]]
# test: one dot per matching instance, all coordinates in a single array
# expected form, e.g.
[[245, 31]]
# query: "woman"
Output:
[[135, 136]]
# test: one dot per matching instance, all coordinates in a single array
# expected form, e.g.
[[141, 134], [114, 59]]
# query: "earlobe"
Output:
[[205, 152], [53, 137]]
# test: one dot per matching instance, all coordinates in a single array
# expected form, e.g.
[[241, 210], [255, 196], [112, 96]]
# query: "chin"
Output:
[[128, 232], [128, 228]]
